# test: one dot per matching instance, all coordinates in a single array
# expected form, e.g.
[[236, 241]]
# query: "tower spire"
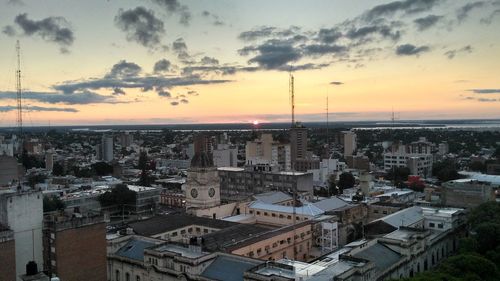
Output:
[[19, 91], [292, 97]]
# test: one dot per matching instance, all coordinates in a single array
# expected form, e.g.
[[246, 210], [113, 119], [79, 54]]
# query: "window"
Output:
[[440, 225], [289, 217], [127, 276], [251, 212], [431, 224], [375, 211], [266, 214], [117, 275], [273, 215], [190, 229], [251, 254], [205, 230], [198, 229], [281, 216], [137, 278], [183, 231], [384, 212], [258, 213]]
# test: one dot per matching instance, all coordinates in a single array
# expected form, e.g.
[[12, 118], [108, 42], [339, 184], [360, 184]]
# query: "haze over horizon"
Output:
[[169, 61]]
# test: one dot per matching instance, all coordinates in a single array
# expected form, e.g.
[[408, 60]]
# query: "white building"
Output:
[[22, 212], [264, 151], [416, 156], [225, 156]]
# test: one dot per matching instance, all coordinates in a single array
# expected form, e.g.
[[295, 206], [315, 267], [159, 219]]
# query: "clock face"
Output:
[[211, 192], [194, 193]]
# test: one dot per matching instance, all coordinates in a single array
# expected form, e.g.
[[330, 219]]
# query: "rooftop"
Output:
[[229, 268], [375, 253], [185, 251], [330, 204], [134, 249], [220, 240], [272, 197], [305, 210], [161, 224], [405, 217]]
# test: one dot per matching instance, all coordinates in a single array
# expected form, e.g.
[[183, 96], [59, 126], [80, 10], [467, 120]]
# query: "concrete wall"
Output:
[[7, 260]]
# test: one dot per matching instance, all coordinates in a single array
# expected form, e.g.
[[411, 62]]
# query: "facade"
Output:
[[237, 184], [225, 156], [22, 212], [466, 193], [147, 199], [417, 156], [107, 148], [7, 254], [8, 170], [75, 248], [265, 151], [126, 139], [349, 143]]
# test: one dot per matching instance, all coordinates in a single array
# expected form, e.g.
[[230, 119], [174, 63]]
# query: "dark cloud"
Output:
[[273, 54], [485, 91], [185, 101], [403, 7], [179, 46], [452, 53], [9, 30], [174, 103], [319, 50], [124, 69], [489, 19], [204, 69], [193, 93], [410, 50], [216, 20], [118, 91], [329, 35], [162, 65], [383, 30], [257, 33], [337, 83], [209, 61], [427, 22], [80, 97], [464, 11], [52, 29], [7, 108], [174, 7], [164, 93], [141, 25]]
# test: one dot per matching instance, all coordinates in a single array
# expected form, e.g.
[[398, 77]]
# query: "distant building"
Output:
[[349, 143], [22, 212], [225, 156], [301, 159], [126, 139], [107, 148], [75, 248], [493, 169], [268, 152], [466, 193], [49, 160], [8, 170], [238, 184], [416, 156], [359, 162], [443, 148]]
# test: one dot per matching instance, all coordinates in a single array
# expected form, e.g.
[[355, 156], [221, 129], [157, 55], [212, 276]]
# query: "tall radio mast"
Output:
[[19, 91], [292, 98]]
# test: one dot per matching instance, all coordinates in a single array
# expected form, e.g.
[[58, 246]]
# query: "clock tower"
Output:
[[202, 185]]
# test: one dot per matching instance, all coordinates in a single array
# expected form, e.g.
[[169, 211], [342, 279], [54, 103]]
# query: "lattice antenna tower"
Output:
[[292, 97], [19, 91]]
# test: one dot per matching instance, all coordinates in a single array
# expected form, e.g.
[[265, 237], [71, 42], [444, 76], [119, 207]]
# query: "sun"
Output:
[[255, 122]]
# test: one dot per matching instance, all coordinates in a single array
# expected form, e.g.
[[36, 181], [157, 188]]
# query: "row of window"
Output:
[[281, 216]]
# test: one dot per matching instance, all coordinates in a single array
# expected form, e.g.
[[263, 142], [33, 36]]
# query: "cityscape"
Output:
[[222, 140]]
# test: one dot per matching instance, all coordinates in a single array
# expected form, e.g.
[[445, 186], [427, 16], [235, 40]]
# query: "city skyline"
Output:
[[168, 61]]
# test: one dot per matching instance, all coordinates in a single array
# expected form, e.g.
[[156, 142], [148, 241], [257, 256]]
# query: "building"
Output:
[[225, 156], [22, 212], [139, 259], [202, 184], [265, 151], [416, 156], [349, 143], [75, 248], [49, 160], [493, 169], [443, 148], [7, 254], [107, 148], [8, 170], [301, 159], [237, 184], [147, 199], [466, 193], [126, 139]]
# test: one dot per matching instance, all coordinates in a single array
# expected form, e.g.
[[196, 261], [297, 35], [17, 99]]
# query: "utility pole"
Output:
[[19, 91]]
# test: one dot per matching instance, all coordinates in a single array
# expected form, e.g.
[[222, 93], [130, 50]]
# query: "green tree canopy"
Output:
[[119, 195], [52, 203]]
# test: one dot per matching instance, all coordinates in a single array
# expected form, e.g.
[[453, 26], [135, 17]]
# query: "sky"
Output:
[[224, 61]]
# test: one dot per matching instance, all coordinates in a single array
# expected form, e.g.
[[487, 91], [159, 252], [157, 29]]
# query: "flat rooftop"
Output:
[[180, 249]]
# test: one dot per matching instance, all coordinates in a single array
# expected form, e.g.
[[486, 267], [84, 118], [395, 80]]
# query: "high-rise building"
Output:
[[107, 148], [265, 151], [126, 139], [416, 156], [349, 143], [225, 156], [22, 212], [49, 160], [301, 159]]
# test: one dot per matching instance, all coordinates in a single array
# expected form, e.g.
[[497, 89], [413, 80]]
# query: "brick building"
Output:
[[7, 255]]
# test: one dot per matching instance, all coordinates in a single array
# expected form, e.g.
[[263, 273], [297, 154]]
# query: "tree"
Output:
[[346, 180], [445, 170], [57, 169], [119, 195], [102, 168], [398, 174], [52, 203], [477, 166]]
